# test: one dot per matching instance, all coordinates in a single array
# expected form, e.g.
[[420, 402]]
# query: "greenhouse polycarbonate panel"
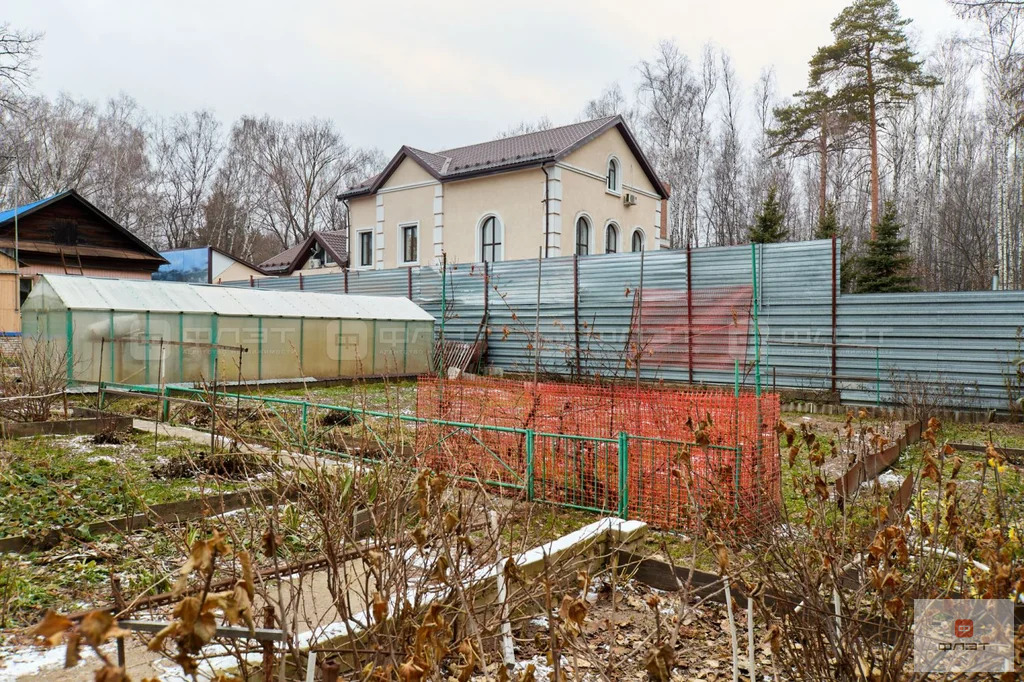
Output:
[[88, 293]]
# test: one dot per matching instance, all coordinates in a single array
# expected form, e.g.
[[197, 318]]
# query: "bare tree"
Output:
[[56, 143], [188, 150], [302, 166], [18, 51], [524, 127]]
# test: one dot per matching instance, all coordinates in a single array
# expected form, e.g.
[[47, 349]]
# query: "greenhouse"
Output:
[[144, 332]]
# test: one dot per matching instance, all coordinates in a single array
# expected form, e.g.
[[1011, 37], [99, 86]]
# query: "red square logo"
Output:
[[963, 627]]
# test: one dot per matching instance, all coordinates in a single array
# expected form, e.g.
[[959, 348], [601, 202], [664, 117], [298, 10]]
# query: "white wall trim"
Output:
[[400, 244], [641, 192], [604, 179], [378, 239], [591, 239], [411, 185], [554, 213], [438, 240], [478, 239], [355, 262], [618, 235]]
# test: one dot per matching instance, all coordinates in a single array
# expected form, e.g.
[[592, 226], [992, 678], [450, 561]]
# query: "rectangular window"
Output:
[[410, 252], [365, 249]]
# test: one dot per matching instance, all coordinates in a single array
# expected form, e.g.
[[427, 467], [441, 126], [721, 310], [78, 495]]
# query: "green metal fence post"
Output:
[[623, 475], [530, 435], [165, 409], [878, 380], [181, 347], [373, 348], [112, 379], [757, 329], [213, 351], [259, 348], [146, 350], [302, 345], [70, 331], [305, 420]]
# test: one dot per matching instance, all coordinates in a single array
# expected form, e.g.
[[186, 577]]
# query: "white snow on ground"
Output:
[[542, 671], [887, 479], [20, 661]]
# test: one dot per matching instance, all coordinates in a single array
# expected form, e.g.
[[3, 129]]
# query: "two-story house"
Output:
[[584, 188]]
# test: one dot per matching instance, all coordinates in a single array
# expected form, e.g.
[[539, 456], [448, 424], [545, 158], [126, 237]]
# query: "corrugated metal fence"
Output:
[[956, 348]]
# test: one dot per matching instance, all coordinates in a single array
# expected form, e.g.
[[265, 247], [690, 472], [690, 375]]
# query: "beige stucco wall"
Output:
[[412, 195], [409, 172], [237, 271], [584, 192], [517, 198], [408, 206]]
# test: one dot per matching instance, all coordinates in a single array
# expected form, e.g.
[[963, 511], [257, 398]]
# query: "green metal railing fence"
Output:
[[618, 475]]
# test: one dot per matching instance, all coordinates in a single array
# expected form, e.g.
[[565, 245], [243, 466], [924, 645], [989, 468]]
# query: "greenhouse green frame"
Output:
[[170, 332]]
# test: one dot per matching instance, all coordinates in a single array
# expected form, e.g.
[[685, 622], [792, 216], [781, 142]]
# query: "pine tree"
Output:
[[885, 268], [768, 223], [814, 125], [870, 68]]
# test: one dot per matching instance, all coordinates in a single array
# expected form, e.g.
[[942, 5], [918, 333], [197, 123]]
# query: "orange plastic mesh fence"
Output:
[[688, 453]]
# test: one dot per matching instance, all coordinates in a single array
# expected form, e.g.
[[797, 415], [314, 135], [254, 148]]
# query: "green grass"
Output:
[[53, 482]]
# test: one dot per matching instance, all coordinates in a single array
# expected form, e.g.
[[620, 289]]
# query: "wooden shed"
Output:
[[64, 234]]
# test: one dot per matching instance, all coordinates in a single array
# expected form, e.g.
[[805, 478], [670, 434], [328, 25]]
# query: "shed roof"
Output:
[[94, 293], [25, 210]]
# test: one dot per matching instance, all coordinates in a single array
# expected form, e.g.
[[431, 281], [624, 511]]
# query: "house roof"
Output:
[[7, 217], [509, 153], [214, 249], [334, 242]]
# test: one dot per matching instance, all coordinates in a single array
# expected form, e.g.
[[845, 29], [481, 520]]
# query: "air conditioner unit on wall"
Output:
[[629, 199]]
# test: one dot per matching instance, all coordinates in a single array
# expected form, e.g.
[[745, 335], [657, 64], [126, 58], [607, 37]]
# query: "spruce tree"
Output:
[[768, 223], [885, 268], [828, 222]]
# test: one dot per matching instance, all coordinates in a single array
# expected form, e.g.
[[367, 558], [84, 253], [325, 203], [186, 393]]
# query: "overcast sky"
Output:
[[429, 74]]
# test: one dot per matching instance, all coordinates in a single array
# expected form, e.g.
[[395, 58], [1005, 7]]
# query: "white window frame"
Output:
[[643, 239], [618, 235], [575, 236], [617, 189], [400, 256], [358, 263], [500, 226]]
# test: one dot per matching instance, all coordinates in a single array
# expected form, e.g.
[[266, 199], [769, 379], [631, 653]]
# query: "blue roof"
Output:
[[8, 214]]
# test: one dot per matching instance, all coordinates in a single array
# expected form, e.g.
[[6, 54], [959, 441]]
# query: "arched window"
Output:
[[611, 238], [638, 240], [613, 175], [583, 236], [490, 239]]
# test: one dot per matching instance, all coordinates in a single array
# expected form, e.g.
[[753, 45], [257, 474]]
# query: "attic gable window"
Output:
[[613, 176], [65, 232]]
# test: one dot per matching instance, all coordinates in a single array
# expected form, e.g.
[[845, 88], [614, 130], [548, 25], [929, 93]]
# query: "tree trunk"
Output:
[[823, 166], [873, 144]]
